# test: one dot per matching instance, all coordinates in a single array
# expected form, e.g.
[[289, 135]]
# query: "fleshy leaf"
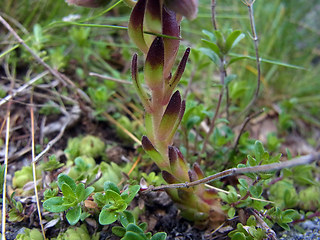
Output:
[[170, 27], [135, 26], [153, 69], [173, 157], [107, 217], [55, 204], [150, 150], [153, 16], [73, 215], [233, 39], [177, 123], [169, 178], [197, 170], [192, 176], [177, 76], [170, 116], [63, 178], [137, 84]]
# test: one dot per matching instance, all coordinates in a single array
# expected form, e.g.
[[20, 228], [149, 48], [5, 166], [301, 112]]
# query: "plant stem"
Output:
[[213, 14], [244, 124], [213, 122], [258, 60]]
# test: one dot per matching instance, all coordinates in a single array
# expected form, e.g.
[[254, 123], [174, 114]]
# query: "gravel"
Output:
[[311, 227]]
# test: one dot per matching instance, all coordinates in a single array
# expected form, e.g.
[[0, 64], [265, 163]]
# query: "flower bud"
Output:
[[187, 8]]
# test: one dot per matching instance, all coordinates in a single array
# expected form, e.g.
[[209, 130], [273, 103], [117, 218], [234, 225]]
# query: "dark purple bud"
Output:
[[170, 116], [154, 65], [153, 16], [192, 176], [137, 84], [177, 76], [197, 170], [168, 177], [173, 155], [170, 27], [135, 26]]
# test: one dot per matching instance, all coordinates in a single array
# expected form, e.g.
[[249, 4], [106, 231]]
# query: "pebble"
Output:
[[312, 231]]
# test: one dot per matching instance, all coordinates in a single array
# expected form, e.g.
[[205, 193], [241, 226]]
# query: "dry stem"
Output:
[[34, 168], [236, 171]]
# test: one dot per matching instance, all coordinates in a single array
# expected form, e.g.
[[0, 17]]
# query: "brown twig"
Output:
[[22, 88], [244, 124], [270, 233], [236, 171]]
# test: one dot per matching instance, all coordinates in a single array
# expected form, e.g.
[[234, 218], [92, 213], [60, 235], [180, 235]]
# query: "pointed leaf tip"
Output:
[[135, 26], [173, 155], [168, 177], [155, 55], [146, 144]]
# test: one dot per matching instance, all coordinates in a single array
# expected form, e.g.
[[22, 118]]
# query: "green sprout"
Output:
[[73, 197]]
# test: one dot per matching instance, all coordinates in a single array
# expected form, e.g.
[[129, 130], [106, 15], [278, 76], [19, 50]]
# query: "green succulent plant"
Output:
[[73, 197], [30, 234], [22, 177], [78, 233]]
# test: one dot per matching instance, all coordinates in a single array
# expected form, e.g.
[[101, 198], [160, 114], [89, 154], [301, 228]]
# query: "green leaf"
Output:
[[80, 191], [130, 193], [210, 35], [134, 236], [235, 59], [73, 215], [63, 178], [269, 61], [126, 218], [112, 196], [231, 212], [87, 192], [238, 236], [107, 217], [233, 39], [55, 204], [118, 231], [212, 55], [143, 226], [68, 192], [258, 151], [212, 46], [220, 40], [159, 236], [111, 186], [243, 183]]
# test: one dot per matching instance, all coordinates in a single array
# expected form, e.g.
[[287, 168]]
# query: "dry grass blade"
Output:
[[34, 167], [111, 119], [22, 88], [4, 190]]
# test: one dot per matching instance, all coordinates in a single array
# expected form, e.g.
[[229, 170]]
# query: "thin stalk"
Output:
[[308, 159], [244, 124], [213, 122], [4, 190], [213, 14], [258, 60], [34, 167]]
